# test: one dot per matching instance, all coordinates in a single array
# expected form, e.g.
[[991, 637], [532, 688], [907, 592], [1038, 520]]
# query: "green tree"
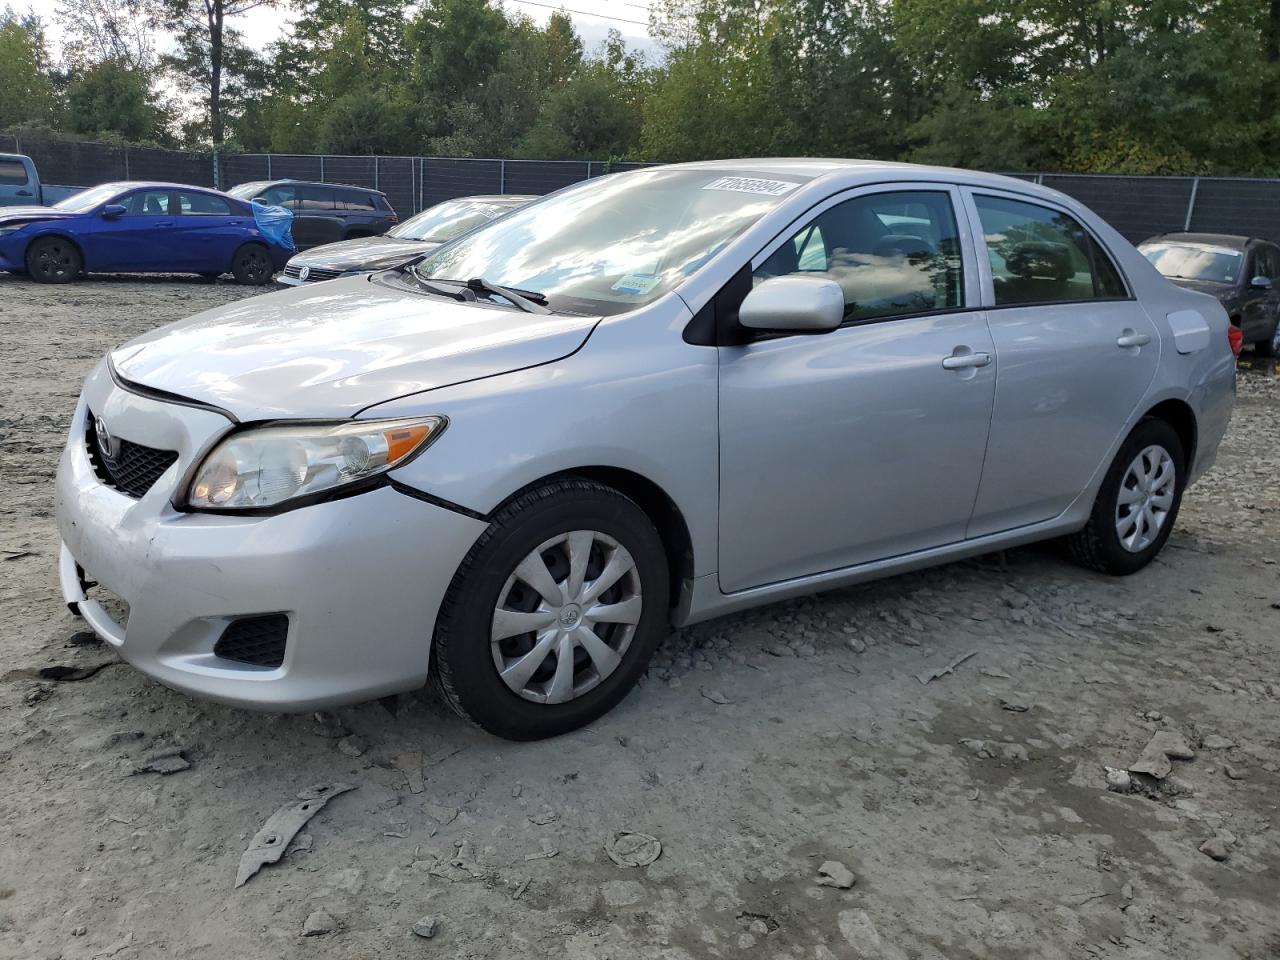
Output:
[[114, 98], [24, 71]]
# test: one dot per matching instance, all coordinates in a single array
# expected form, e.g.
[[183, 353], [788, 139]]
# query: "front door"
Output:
[[139, 238], [1076, 354], [866, 442]]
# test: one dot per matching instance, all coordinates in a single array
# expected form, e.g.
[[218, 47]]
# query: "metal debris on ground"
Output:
[[628, 849], [269, 844], [939, 672]]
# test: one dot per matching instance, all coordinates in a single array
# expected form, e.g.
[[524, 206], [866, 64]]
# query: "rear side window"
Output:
[[203, 203], [356, 201], [316, 198], [13, 173], [381, 202], [148, 203], [1039, 255], [893, 254]]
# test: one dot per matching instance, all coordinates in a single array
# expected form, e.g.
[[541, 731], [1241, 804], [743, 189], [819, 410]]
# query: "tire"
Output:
[[536, 524], [53, 260], [1269, 348], [1100, 545], [252, 265]]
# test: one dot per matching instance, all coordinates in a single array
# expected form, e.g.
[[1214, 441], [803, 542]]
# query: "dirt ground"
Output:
[[974, 810]]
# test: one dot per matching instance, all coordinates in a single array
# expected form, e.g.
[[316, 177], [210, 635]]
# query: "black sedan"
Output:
[[1242, 272]]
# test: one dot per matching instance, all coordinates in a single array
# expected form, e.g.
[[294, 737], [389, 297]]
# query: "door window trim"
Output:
[[988, 287], [968, 273]]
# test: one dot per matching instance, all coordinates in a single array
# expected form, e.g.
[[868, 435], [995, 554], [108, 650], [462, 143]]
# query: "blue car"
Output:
[[142, 228]]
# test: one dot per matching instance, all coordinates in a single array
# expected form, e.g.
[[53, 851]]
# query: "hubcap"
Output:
[[566, 616], [1146, 497]]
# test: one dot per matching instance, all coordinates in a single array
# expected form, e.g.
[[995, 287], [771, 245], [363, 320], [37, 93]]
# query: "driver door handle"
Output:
[[1131, 339], [966, 360]]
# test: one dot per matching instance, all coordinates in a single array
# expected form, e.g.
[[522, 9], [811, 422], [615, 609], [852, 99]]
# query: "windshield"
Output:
[[612, 244], [88, 199], [247, 191], [447, 220], [1194, 261]]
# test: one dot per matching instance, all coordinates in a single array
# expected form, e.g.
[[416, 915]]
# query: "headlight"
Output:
[[267, 466]]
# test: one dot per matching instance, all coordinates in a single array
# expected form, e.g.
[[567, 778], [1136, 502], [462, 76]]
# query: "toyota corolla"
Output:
[[651, 398]]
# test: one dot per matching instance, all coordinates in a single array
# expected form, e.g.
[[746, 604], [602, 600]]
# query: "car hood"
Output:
[[363, 253], [332, 349], [11, 215]]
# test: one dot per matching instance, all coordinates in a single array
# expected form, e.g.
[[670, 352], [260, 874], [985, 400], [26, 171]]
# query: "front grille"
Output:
[[133, 469], [256, 640], [314, 274]]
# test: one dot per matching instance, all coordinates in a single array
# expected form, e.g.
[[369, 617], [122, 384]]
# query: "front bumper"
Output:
[[360, 579]]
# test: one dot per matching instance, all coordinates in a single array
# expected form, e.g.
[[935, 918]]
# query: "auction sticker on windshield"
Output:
[[770, 188]]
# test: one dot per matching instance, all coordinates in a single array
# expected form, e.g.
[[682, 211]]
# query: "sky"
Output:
[[592, 18]]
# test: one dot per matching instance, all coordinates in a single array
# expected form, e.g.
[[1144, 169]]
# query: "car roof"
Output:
[[512, 198], [1212, 239], [316, 183], [140, 184]]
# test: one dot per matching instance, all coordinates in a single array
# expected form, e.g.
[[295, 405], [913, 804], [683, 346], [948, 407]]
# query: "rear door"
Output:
[[1075, 353], [866, 442], [317, 219], [207, 231], [139, 240]]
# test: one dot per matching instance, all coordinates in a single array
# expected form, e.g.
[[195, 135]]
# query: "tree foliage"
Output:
[[1157, 86]]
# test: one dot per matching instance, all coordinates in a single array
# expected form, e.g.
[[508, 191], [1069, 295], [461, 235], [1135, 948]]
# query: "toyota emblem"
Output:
[[108, 444], [304, 273]]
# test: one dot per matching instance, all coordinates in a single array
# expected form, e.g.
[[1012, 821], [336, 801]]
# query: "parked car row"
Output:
[[250, 231]]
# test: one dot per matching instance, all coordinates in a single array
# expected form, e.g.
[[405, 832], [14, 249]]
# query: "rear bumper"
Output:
[[360, 580]]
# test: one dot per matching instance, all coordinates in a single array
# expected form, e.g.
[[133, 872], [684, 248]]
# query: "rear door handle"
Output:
[[965, 360], [1131, 339]]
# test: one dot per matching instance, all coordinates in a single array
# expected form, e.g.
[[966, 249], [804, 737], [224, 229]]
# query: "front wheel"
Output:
[[251, 265], [1137, 504], [53, 260], [554, 613]]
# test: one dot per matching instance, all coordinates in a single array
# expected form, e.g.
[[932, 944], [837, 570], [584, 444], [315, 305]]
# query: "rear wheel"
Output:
[[53, 260], [554, 613], [1137, 504], [251, 265]]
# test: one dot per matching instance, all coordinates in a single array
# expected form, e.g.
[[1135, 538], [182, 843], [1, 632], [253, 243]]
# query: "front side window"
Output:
[[892, 254], [203, 204], [281, 196], [147, 203], [613, 243], [1039, 255], [1195, 261]]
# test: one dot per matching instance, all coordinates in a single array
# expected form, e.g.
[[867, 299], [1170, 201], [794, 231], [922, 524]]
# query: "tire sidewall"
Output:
[[1146, 434], [463, 632]]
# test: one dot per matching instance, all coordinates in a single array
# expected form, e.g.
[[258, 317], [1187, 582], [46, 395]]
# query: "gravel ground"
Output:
[[973, 811]]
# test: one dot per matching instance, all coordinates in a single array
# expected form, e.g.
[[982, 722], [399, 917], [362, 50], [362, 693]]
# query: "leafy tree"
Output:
[[115, 98], [24, 71]]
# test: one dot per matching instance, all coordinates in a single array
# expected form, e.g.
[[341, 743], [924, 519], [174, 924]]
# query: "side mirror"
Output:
[[261, 200], [1260, 283], [793, 304], [113, 210]]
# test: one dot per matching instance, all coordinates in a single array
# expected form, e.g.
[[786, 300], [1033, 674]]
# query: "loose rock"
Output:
[[426, 927], [318, 924], [628, 849], [1155, 757], [1119, 781], [351, 746], [1215, 848], [1215, 742], [833, 873], [715, 696]]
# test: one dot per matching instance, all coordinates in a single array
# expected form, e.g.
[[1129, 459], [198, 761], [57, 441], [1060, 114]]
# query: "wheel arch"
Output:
[[677, 542], [58, 235], [1179, 415]]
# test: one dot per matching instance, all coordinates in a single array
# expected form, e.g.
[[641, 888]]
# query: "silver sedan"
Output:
[[651, 398]]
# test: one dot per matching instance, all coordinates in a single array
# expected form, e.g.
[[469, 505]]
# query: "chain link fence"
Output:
[[1139, 207]]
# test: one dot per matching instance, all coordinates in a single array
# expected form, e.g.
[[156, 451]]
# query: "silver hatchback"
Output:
[[651, 398]]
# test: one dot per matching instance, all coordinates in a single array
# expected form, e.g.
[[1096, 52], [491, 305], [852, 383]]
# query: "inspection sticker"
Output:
[[770, 188], [635, 283]]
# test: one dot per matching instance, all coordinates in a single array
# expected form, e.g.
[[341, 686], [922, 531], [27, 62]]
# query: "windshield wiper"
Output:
[[530, 301], [429, 287]]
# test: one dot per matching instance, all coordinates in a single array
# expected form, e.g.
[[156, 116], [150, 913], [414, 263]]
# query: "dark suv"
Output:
[[324, 212], [1242, 272]]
